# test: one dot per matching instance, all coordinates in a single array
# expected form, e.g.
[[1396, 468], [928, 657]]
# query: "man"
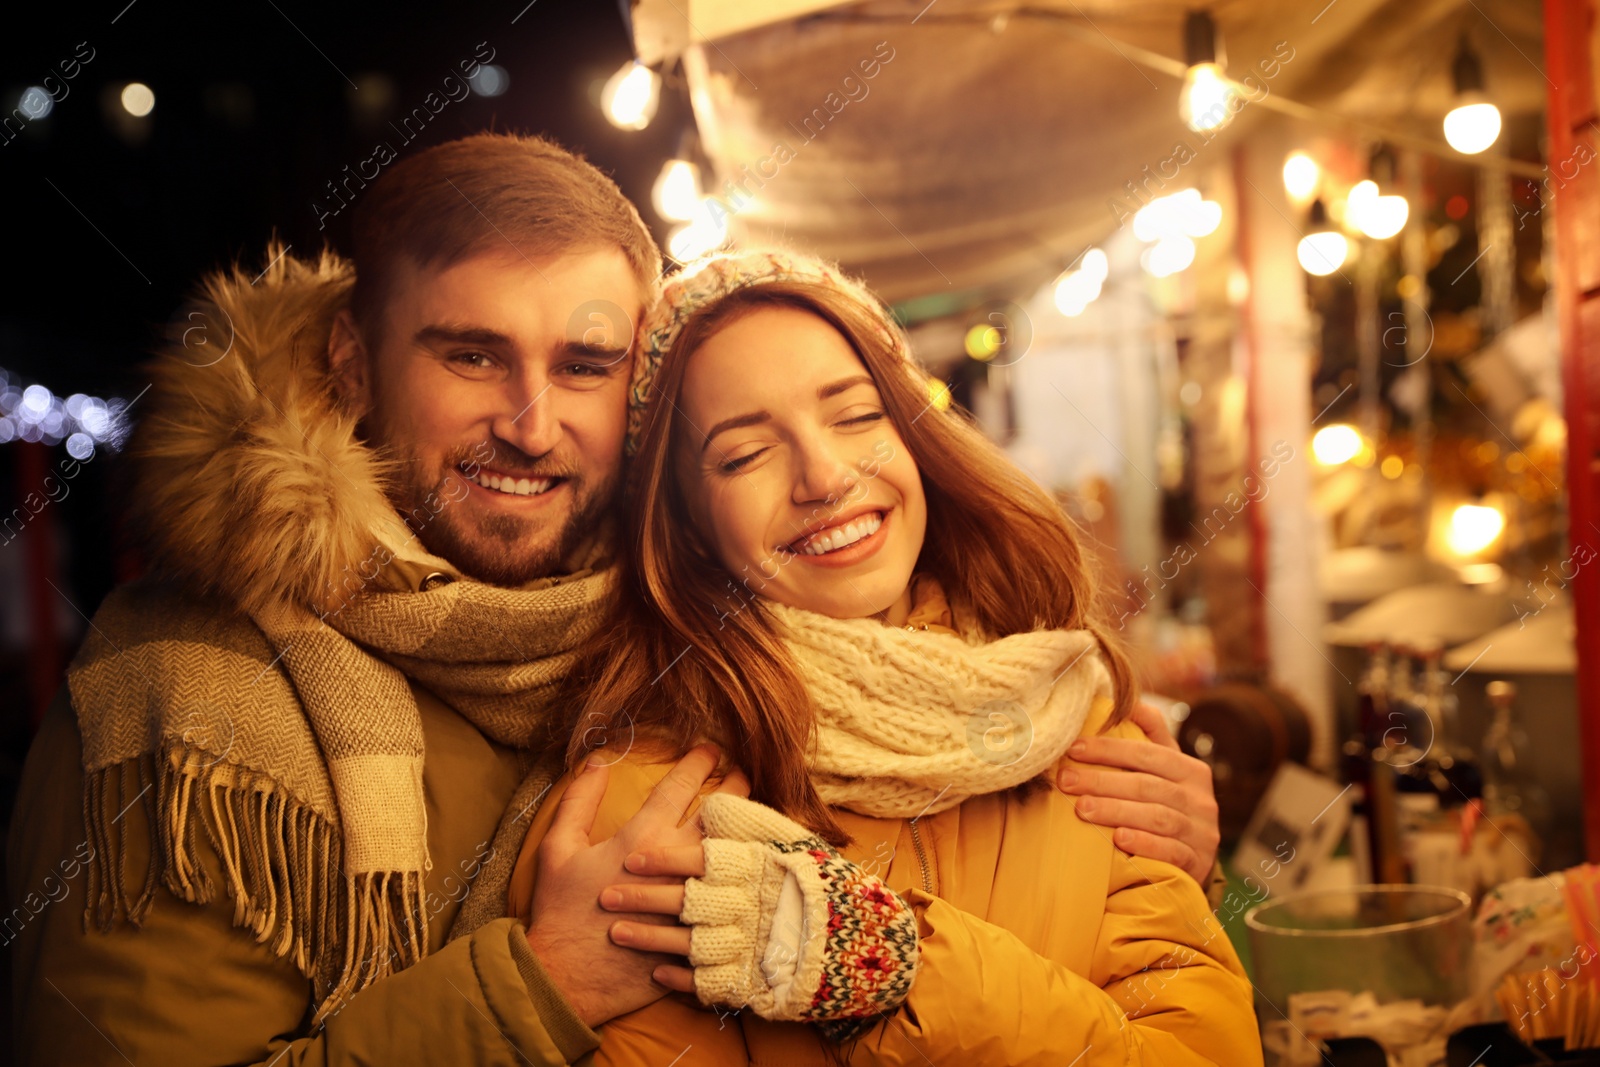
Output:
[[376, 506]]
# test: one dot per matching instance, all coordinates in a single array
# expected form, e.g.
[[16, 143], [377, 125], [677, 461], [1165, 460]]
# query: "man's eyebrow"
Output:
[[607, 354], [835, 388], [752, 419], [469, 335]]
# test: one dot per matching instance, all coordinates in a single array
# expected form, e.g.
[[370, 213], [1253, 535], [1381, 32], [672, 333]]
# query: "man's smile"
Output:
[[512, 484]]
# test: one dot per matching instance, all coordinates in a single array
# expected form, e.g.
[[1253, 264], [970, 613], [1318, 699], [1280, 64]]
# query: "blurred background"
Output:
[[1292, 305]]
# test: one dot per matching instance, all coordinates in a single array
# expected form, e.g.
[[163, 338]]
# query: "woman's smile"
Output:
[[801, 465], [845, 541]]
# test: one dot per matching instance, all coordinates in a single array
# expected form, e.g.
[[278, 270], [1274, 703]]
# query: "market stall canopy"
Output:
[[1443, 613], [961, 145]]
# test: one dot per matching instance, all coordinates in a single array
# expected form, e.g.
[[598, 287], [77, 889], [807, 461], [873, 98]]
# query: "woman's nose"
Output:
[[824, 476]]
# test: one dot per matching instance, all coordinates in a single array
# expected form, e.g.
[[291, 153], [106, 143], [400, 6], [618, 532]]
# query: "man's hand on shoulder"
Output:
[[569, 931], [1161, 805]]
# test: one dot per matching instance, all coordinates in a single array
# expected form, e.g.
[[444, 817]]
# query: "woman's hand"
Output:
[[1166, 809], [756, 885]]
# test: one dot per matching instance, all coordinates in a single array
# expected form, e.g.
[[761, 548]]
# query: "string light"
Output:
[[1473, 528], [1373, 206], [1323, 250], [1474, 124], [138, 99], [1301, 176], [630, 96], [702, 235], [676, 193], [1203, 101], [34, 413], [1076, 289], [1336, 444]]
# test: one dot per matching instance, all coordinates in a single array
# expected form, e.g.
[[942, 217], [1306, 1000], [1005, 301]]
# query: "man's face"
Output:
[[500, 385]]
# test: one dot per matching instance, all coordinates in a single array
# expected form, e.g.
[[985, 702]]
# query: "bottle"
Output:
[[1355, 764], [1451, 767], [1511, 787], [1368, 734], [1410, 739], [1406, 725], [1368, 754]]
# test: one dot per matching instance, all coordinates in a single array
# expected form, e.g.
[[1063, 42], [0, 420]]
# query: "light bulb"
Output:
[[707, 232], [1201, 217], [1182, 213], [1203, 101], [630, 96], [676, 193], [1323, 253], [1300, 176], [1379, 217], [1168, 256], [138, 100], [1473, 528], [1336, 444], [1075, 290], [1472, 127], [1095, 264]]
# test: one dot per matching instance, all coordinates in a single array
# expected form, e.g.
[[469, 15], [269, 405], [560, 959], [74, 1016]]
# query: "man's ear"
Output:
[[349, 364]]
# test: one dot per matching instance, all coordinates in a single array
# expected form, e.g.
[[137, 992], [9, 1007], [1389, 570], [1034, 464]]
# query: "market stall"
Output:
[[1277, 303]]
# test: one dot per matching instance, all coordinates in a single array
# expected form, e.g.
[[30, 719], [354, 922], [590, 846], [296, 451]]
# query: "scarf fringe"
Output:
[[278, 859]]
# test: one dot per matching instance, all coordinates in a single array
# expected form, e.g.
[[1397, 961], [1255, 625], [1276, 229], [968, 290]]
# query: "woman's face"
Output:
[[792, 469]]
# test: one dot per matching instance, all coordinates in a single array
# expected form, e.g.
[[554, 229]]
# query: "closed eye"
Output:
[[733, 466], [872, 416]]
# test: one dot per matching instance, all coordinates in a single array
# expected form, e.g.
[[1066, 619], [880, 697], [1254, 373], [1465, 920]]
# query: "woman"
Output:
[[881, 619]]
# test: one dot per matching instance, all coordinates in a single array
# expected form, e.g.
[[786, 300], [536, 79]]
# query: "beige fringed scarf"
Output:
[[296, 749], [271, 713], [916, 721]]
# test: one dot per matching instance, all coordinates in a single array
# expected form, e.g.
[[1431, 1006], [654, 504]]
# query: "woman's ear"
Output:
[[348, 364]]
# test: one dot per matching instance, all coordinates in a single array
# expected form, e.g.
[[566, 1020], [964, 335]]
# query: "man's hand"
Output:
[[1165, 810], [681, 862], [570, 933]]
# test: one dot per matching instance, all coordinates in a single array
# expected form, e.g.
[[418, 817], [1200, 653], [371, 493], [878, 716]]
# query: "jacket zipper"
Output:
[[922, 857]]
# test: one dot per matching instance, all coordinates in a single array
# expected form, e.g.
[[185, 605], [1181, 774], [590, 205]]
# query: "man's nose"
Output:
[[528, 417]]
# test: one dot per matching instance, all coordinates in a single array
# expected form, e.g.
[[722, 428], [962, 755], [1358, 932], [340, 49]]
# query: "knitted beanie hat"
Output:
[[704, 284]]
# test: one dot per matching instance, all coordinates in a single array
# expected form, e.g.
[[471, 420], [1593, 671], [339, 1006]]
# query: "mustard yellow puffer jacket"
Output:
[[1042, 943]]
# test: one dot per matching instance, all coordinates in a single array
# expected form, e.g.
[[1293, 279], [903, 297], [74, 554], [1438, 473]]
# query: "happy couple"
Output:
[[542, 664]]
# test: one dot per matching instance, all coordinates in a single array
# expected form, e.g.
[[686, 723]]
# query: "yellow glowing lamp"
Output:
[[983, 341], [1300, 177], [938, 395], [1336, 444], [1473, 528], [630, 96]]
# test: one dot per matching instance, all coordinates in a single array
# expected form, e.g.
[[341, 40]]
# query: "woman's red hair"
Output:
[[688, 653]]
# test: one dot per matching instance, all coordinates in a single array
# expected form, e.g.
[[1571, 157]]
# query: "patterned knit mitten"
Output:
[[786, 926]]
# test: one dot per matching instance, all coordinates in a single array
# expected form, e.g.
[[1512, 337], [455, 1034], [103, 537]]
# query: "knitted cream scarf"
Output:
[[913, 722]]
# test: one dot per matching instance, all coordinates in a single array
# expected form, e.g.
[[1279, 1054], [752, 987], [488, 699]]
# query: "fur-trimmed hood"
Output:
[[250, 480]]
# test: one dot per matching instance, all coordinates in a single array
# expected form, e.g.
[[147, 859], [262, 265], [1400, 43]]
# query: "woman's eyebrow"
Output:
[[835, 388], [756, 417], [752, 419]]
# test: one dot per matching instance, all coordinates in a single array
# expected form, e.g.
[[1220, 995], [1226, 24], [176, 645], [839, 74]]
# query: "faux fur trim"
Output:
[[250, 480]]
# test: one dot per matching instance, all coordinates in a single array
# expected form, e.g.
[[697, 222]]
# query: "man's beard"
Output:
[[500, 549]]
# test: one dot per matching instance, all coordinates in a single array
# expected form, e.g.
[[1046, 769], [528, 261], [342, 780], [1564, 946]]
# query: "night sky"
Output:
[[257, 107]]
